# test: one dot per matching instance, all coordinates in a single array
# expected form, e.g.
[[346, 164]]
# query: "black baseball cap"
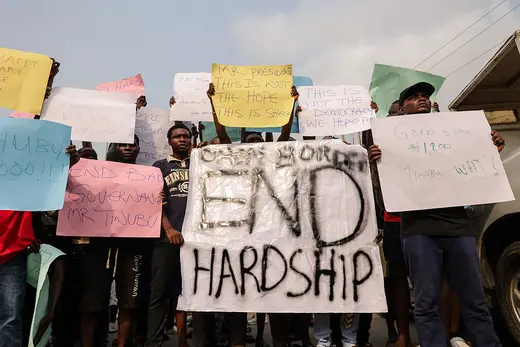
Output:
[[421, 87]]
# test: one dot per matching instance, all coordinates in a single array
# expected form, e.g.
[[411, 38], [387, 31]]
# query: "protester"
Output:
[[436, 237], [166, 283]]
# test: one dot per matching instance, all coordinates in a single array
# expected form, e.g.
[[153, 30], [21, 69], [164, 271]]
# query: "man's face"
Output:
[[394, 110], [180, 140], [417, 103], [128, 152]]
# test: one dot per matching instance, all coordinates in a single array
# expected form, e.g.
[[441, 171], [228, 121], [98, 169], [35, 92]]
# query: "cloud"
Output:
[[338, 42]]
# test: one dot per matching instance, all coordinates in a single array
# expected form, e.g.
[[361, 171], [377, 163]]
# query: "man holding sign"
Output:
[[437, 238], [166, 281]]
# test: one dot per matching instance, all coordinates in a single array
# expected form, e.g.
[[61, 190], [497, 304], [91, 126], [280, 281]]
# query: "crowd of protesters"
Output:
[[136, 282]]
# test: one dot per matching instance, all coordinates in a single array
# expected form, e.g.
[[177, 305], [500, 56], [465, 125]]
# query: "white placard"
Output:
[[334, 110], [192, 103], [265, 224], [151, 126], [439, 160], [93, 115]]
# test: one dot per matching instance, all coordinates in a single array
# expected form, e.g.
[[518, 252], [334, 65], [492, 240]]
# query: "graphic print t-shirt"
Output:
[[176, 175]]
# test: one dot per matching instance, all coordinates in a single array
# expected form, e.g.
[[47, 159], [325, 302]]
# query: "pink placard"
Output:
[[108, 199], [17, 114], [134, 85]]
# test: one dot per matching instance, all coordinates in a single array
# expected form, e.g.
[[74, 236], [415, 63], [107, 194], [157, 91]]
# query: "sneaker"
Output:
[[458, 342], [349, 345], [112, 327]]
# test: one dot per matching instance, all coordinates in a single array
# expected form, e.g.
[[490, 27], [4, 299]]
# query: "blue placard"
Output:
[[298, 81], [33, 164]]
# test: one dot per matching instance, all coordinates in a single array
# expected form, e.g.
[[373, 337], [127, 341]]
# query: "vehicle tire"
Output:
[[508, 288]]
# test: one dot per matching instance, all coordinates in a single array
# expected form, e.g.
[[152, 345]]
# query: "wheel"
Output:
[[508, 288]]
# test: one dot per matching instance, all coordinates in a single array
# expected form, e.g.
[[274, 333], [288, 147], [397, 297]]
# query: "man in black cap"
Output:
[[441, 237]]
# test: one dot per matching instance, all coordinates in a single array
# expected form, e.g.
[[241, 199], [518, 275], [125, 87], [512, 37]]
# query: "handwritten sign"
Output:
[[252, 96], [297, 81], [334, 110], [210, 132], [94, 116], [38, 266], [389, 81], [108, 199], [23, 80], [281, 227], [439, 160], [25, 115], [133, 85], [191, 99], [33, 164], [151, 125]]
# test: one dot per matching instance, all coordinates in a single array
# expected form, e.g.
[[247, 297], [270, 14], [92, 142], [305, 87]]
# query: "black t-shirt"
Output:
[[451, 221], [176, 175]]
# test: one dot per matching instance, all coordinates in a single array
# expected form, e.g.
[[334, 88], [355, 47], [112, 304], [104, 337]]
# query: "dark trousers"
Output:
[[425, 257], [163, 287], [363, 334], [204, 329]]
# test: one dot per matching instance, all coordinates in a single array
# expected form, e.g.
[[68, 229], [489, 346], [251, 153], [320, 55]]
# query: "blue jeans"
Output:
[[426, 256], [12, 296]]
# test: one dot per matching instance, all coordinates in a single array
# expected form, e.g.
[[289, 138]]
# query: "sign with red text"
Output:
[[334, 110], [133, 85], [17, 114], [108, 199], [439, 160]]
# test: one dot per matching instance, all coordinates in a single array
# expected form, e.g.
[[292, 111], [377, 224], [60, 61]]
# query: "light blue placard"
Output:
[[298, 81], [33, 164], [209, 132]]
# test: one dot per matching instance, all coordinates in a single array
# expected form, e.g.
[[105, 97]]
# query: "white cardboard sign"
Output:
[[93, 115], [439, 160], [281, 227], [334, 110], [151, 126], [192, 102]]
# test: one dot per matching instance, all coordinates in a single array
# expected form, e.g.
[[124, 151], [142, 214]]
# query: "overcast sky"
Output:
[[331, 41]]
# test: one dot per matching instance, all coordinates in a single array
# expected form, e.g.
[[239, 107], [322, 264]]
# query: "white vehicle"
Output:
[[496, 90]]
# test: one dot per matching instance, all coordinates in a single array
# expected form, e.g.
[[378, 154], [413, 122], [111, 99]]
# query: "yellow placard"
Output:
[[252, 96], [23, 80]]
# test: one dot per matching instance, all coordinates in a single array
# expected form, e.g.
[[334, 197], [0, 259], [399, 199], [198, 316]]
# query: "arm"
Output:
[[195, 134], [74, 156], [221, 130], [55, 68], [286, 129], [58, 276], [173, 235]]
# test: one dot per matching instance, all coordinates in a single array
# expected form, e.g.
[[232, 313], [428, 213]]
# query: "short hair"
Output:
[[112, 153], [177, 126], [86, 149]]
